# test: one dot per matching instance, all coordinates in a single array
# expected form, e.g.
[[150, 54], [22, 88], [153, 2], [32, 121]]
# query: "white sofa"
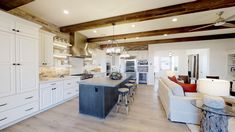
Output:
[[177, 104]]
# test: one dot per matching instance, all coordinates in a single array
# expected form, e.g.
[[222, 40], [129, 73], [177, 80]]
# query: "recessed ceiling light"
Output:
[[165, 35], [137, 37], [66, 12], [94, 31], [109, 40], [174, 20], [133, 25]]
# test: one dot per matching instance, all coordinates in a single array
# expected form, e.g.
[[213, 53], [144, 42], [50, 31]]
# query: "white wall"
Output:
[[217, 64]]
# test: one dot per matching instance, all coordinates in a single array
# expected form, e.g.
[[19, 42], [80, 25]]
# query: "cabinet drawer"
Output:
[[51, 84], [68, 93], [17, 100], [70, 84], [17, 113]]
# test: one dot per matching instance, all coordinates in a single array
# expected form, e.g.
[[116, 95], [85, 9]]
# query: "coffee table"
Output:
[[214, 120]]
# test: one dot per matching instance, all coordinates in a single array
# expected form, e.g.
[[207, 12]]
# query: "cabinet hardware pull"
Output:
[[53, 88], [18, 64], [29, 97], [17, 30], [53, 84], [13, 30], [3, 119], [14, 64], [3, 104], [29, 109]]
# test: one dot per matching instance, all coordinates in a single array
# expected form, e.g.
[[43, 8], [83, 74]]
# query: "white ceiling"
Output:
[[88, 10], [163, 23]]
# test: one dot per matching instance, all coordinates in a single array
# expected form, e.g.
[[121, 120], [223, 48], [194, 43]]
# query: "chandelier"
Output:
[[124, 54], [112, 47]]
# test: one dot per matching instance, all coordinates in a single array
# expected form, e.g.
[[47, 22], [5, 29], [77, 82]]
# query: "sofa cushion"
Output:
[[176, 89], [188, 87], [173, 78]]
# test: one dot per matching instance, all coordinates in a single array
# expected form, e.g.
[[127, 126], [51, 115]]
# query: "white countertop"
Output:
[[103, 81], [48, 80]]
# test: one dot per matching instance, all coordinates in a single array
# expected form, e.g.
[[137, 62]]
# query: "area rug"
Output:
[[196, 128]]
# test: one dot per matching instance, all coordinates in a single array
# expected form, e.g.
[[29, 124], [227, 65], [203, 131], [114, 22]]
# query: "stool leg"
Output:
[[126, 104], [119, 101]]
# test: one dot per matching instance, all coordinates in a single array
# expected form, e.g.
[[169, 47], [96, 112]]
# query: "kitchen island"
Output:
[[97, 96]]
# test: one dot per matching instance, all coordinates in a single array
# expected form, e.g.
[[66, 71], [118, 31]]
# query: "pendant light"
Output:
[[124, 54], [112, 48]]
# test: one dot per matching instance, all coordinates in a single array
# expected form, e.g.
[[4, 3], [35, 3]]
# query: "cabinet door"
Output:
[[7, 58], [57, 93], [41, 49], [45, 97], [6, 23], [25, 29], [48, 49], [27, 58]]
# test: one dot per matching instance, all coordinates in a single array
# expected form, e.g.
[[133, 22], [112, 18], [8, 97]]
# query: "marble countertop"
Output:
[[103, 81], [54, 79]]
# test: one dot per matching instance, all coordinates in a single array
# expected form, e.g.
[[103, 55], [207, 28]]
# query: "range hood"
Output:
[[80, 46]]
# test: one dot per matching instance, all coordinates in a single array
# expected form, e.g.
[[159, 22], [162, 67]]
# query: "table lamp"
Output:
[[213, 90]]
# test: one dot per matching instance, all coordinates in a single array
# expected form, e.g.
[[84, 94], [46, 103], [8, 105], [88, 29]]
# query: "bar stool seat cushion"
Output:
[[132, 81], [123, 90], [129, 84]]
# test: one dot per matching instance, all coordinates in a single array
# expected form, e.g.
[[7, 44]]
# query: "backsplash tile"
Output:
[[53, 71]]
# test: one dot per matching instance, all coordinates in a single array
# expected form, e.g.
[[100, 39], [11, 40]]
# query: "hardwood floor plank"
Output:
[[146, 115]]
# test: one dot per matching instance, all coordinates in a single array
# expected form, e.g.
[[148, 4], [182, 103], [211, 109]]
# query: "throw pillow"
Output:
[[173, 78], [188, 87]]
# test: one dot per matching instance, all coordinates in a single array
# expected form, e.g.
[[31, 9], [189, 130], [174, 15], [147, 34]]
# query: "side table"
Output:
[[214, 120]]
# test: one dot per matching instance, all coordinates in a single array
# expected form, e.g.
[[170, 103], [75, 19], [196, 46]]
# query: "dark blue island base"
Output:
[[97, 98]]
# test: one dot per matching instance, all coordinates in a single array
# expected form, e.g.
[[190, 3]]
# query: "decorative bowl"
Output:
[[115, 76]]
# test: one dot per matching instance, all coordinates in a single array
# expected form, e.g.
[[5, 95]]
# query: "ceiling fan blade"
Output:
[[229, 25], [229, 18], [201, 27]]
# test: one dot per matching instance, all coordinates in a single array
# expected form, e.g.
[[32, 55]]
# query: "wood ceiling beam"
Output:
[[180, 9], [12, 4], [174, 40], [156, 33]]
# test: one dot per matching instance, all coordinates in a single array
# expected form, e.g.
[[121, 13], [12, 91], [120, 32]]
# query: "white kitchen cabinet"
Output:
[[6, 23], [7, 69], [27, 63], [71, 88], [58, 93], [46, 48], [18, 68], [26, 29], [51, 94], [45, 97]]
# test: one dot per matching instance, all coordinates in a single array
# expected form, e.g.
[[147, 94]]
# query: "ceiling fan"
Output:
[[220, 21]]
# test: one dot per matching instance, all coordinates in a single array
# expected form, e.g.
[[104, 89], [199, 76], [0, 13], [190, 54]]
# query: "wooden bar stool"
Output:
[[123, 99], [130, 86]]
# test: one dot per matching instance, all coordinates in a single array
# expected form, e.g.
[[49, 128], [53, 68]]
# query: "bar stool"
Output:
[[133, 81], [130, 86], [123, 99]]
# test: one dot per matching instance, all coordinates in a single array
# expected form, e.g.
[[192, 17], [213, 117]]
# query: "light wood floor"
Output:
[[146, 115]]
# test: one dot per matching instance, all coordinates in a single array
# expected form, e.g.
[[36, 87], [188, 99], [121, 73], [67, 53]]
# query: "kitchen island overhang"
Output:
[[97, 96]]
